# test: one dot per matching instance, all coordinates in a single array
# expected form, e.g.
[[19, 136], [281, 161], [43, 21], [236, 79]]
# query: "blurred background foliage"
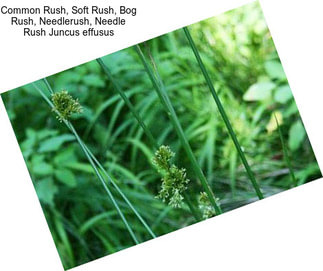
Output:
[[240, 56]]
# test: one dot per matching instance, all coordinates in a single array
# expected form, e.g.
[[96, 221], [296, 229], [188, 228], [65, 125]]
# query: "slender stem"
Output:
[[141, 123], [104, 185], [70, 126], [122, 194], [286, 154], [223, 115], [128, 103], [163, 96], [48, 86], [115, 185]]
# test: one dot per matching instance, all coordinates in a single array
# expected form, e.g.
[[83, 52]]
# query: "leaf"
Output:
[[28, 144], [66, 177], [292, 109], [283, 94], [275, 69], [46, 191], [296, 135], [80, 167], [259, 91], [65, 157], [42, 169], [54, 143], [44, 133]]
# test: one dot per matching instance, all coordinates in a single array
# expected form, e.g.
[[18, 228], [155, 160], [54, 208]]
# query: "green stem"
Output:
[[223, 114], [104, 185], [48, 85], [70, 126], [128, 103], [116, 186], [163, 96], [140, 121], [122, 194], [286, 154]]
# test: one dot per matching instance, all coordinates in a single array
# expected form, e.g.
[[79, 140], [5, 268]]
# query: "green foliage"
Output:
[[46, 190], [238, 53], [296, 135]]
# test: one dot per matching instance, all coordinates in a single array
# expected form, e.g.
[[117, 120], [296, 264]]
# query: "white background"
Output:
[[283, 232]]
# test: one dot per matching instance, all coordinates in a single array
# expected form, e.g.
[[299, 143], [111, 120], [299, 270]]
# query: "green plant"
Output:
[[70, 104], [224, 115], [171, 180], [240, 58], [158, 86]]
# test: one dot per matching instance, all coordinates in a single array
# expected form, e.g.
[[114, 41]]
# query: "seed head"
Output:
[[65, 105], [206, 206], [174, 181], [162, 157]]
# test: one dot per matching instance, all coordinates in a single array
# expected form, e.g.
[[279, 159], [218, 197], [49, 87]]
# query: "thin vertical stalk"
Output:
[[111, 180], [48, 86], [70, 126], [141, 123], [128, 103], [223, 114], [286, 154], [163, 96], [122, 194], [104, 185]]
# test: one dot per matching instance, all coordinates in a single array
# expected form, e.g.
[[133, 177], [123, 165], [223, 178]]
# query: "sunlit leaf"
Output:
[[275, 70], [259, 91], [283, 94]]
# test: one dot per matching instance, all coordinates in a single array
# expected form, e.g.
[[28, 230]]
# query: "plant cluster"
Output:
[[174, 181], [136, 100], [65, 105]]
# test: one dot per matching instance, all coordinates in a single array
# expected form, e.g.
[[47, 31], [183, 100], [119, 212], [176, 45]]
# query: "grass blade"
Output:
[[141, 123], [128, 103], [163, 96], [70, 126], [223, 115], [117, 187]]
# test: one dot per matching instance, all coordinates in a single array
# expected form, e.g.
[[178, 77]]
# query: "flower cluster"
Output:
[[206, 206], [65, 105], [174, 181]]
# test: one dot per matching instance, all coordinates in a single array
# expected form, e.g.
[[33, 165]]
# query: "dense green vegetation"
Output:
[[242, 63]]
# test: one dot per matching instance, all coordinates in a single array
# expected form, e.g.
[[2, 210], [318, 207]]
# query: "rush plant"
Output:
[[174, 175], [163, 96], [92, 160]]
